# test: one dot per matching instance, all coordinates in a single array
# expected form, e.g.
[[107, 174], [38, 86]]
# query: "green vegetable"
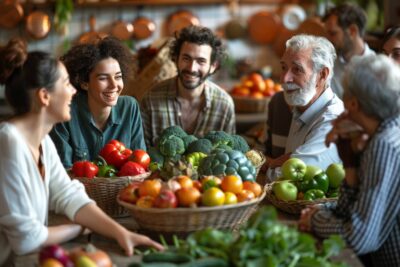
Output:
[[333, 193], [156, 158], [195, 158], [201, 145], [187, 140], [107, 171], [171, 146], [206, 262], [173, 130], [319, 181], [228, 162], [219, 137], [171, 257], [239, 143], [313, 194]]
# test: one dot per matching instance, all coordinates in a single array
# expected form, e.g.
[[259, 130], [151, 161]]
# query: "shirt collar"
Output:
[[316, 107], [172, 92]]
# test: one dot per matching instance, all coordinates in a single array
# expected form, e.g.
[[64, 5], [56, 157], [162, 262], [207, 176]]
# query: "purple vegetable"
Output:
[[55, 252]]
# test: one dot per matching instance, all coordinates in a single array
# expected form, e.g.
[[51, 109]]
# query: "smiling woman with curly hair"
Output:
[[98, 71]]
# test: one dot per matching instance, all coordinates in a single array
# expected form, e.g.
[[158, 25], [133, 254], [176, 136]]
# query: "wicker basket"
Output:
[[105, 190], [294, 206], [244, 104], [186, 220], [260, 164]]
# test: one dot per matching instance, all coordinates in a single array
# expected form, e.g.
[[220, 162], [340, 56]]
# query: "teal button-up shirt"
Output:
[[80, 139]]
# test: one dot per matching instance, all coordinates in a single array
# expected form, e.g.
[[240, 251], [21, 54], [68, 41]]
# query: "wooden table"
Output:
[[120, 260]]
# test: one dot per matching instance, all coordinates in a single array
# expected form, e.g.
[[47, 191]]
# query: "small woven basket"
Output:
[[187, 220], [261, 163], [105, 190], [244, 104], [293, 206]]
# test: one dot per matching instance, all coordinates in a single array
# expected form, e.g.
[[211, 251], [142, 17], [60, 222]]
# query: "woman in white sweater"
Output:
[[32, 178]]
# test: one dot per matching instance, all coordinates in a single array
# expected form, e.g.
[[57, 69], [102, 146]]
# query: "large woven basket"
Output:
[[186, 220], [105, 190], [293, 206], [244, 104]]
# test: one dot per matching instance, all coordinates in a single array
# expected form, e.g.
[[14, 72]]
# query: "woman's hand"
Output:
[[129, 240], [305, 217]]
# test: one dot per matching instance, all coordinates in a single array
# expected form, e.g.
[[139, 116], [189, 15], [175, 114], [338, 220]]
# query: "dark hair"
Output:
[[81, 59], [392, 32], [21, 72], [348, 14], [201, 36]]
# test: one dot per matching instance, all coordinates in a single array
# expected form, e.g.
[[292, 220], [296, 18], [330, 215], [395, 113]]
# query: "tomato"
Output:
[[118, 145], [140, 156], [145, 202], [150, 188], [131, 169], [184, 181], [232, 183], [213, 197], [230, 198], [51, 263], [188, 197], [245, 195], [85, 169], [210, 181], [197, 184], [253, 187], [114, 153]]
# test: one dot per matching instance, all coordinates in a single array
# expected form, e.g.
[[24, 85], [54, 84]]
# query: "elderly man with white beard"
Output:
[[307, 70]]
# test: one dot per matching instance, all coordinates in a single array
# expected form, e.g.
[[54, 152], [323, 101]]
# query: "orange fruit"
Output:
[[232, 183], [150, 188], [188, 197], [253, 187], [210, 181], [277, 87], [245, 195], [197, 184], [269, 84], [145, 202], [230, 198], [51, 263], [184, 181], [213, 197]]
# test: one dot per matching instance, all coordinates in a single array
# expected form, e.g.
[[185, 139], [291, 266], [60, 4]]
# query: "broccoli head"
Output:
[[219, 138], [188, 139], [201, 145], [155, 155], [172, 145], [239, 143], [173, 130]]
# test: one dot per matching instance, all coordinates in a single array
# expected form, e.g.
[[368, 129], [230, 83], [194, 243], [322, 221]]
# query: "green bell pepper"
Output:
[[195, 158], [334, 193], [107, 171], [319, 181], [313, 194]]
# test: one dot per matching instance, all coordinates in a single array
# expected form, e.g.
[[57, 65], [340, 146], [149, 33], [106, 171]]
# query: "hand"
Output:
[[129, 240], [305, 217]]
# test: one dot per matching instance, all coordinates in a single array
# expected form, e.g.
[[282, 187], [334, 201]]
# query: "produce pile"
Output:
[[88, 256], [114, 160], [182, 191], [301, 181], [261, 241], [217, 153], [254, 86]]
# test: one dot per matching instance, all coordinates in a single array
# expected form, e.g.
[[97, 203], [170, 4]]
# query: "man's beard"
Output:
[[302, 96], [190, 85], [346, 47]]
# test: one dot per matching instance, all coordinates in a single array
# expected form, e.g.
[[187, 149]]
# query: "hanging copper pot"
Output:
[[179, 20], [92, 35], [313, 26], [123, 30], [263, 27], [143, 28], [11, 13], [38, 25]]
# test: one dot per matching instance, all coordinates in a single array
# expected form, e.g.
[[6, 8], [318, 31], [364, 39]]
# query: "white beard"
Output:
[[302, 96]]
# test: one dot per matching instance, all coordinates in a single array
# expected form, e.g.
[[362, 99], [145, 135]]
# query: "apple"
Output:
[[336, 174], [166, 199], [311, 171], [294, 169], [130, 193], [285, 190]]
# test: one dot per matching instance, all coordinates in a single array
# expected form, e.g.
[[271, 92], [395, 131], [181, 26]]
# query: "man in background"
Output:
[[190, 100], [345, 25]]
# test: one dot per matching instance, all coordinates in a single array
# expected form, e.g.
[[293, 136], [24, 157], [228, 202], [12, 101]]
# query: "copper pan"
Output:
[[122, 30], [144, 28], [313, 26], [38, 25], [11, 13], [92, 35], [263, 27], [179, 20]]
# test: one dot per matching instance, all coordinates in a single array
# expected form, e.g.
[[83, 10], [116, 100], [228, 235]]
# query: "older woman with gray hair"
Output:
[[367, 214], [307, 69]]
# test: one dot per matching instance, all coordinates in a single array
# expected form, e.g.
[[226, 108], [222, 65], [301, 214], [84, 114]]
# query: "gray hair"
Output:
[[323, 53], [375, 81]]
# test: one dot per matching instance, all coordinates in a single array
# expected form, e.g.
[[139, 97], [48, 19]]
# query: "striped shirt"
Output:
[[160, 109], [368, 216]]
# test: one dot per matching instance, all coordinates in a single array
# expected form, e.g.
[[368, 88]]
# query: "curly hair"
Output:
[[22, 72], [81, 59], [201, 36], [348, 14]]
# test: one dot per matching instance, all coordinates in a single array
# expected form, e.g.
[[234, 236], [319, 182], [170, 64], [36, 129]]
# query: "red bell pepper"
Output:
[[115, 153], [131, 169], [85, 169]]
